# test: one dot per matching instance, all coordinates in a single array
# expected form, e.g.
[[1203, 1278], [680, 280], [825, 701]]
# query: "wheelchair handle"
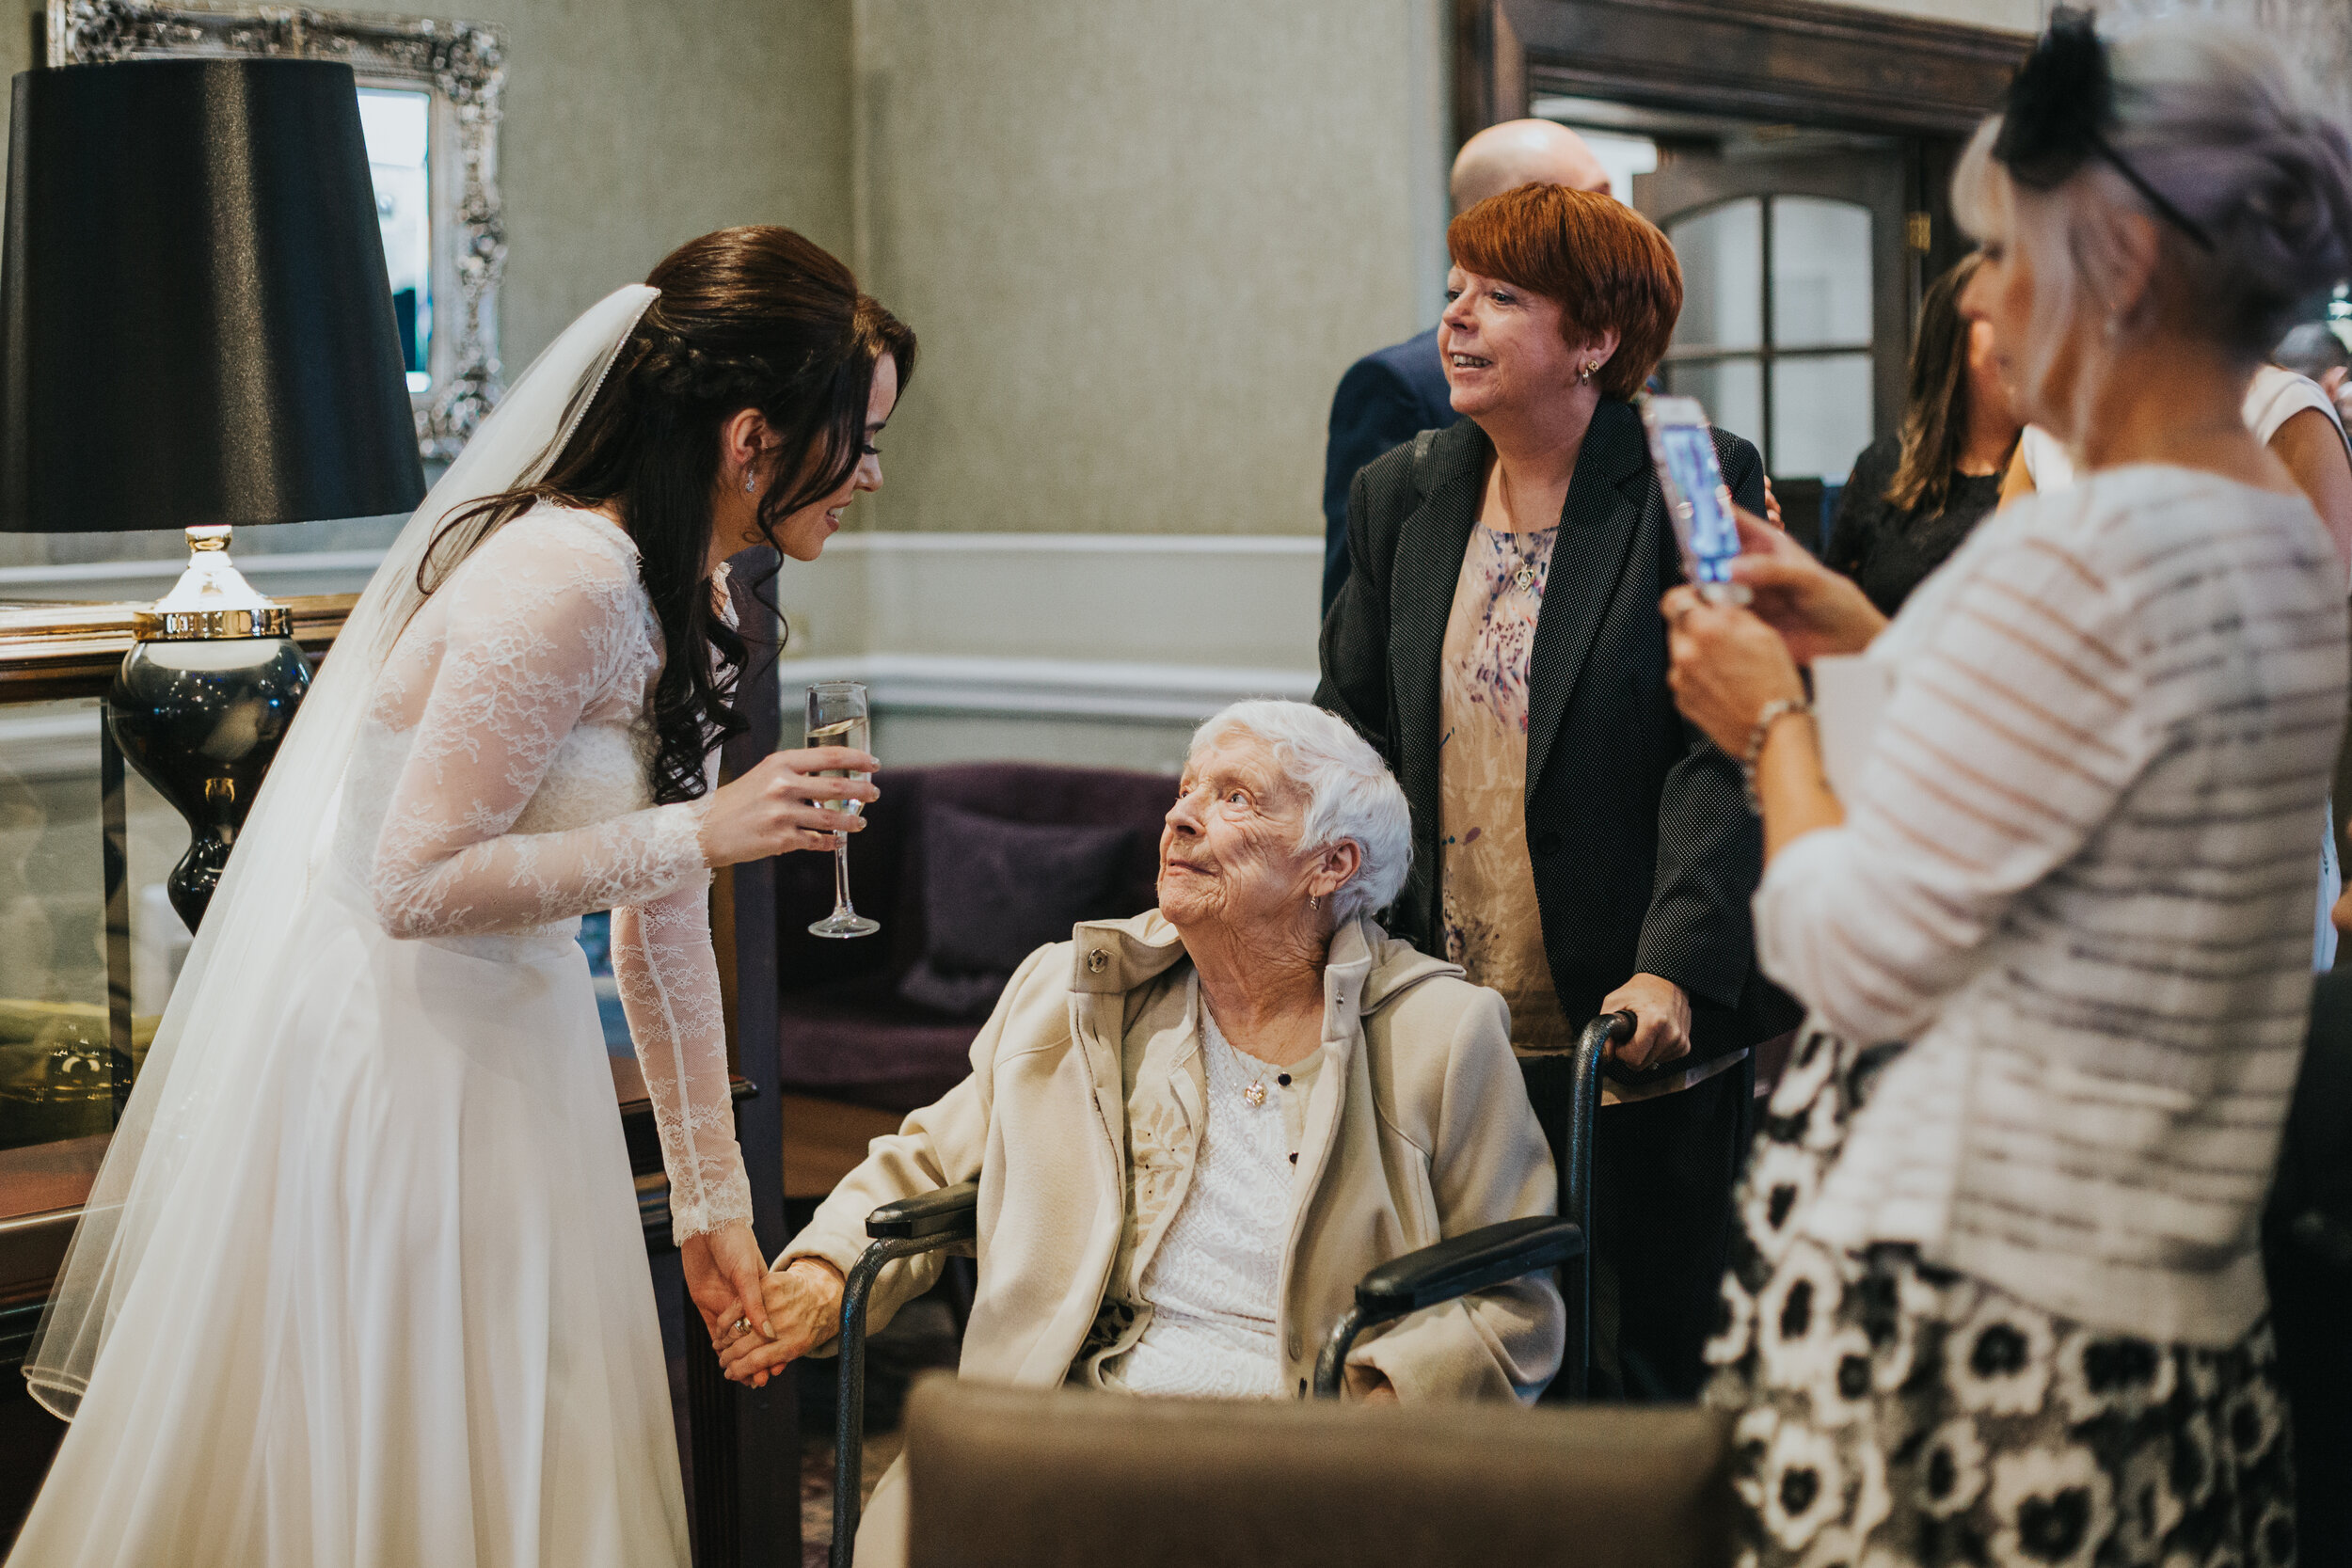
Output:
[[907, 1229]]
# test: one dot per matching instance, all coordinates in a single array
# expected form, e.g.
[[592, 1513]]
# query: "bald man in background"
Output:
[[1387, 398]]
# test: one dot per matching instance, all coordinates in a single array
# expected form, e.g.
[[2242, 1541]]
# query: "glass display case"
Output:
[[88, 946]]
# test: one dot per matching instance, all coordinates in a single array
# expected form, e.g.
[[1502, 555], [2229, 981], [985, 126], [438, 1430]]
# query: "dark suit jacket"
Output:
[[1384, 400], [1645, 850]]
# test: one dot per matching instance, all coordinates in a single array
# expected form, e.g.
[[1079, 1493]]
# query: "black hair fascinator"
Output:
[[2060, 103]]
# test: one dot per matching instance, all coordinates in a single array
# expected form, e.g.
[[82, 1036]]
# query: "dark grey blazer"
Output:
[[1386, 398], [1645, 850]]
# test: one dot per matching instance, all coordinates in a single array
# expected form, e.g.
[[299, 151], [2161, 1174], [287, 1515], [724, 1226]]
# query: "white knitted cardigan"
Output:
[[2076, 875]]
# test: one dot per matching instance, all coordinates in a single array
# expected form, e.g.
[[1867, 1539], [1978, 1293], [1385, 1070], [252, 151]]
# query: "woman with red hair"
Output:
[[1578, 848]]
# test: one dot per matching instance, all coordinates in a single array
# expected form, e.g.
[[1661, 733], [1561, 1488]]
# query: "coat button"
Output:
[[1098, 961], [1546, 844]]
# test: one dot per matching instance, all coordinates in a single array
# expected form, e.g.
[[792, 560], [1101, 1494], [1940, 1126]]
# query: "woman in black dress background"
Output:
[[1913, 497]]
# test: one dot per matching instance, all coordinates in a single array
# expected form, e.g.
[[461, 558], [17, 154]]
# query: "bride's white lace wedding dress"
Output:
[[423, 1334]]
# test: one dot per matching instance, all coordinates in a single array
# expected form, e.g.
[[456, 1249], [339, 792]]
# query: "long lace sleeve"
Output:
[[533, 629], [669, 977]]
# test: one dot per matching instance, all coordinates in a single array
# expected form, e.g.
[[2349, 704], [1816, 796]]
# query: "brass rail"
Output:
[[49, 652]]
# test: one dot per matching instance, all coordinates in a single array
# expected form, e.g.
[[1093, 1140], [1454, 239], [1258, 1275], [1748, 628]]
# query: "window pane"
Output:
[[1821, 415], [1722, 251], [1820, 273], [1732, 389]]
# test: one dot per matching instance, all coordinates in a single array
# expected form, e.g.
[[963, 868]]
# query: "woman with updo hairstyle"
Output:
[[1999, 1296], [363, 1280]]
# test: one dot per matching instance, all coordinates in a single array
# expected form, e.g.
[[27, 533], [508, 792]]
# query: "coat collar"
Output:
[[1366, 968]]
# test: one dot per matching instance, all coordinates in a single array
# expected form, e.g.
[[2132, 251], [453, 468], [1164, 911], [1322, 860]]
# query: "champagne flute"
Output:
[[837, 716]]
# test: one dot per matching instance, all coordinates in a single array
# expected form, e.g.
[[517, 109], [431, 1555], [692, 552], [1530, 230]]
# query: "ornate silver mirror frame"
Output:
[[461, 64]]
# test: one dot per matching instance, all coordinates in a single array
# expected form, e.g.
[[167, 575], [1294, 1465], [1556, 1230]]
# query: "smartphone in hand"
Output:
[[1682, 448]]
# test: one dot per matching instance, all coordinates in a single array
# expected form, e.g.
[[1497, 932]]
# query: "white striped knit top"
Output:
[[2075, 875]]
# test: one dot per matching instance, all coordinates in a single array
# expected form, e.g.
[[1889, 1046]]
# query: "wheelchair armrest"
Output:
[[1451, 1269], [949, 1214], [1470, 1261]]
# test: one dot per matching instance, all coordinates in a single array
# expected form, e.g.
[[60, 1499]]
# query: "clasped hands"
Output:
[[799, 1310], [758, 1321], [1727, 661], [804, 1311]]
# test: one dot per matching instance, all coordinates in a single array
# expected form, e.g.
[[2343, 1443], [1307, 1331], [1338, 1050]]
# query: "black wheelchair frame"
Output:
[[1566, 1090]]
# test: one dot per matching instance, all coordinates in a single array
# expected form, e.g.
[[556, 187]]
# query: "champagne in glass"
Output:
[[837, 716]]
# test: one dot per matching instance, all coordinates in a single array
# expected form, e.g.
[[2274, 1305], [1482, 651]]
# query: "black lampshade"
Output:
[[196, 324]]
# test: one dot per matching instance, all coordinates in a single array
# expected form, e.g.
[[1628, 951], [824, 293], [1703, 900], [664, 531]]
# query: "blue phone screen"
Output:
[[1713, 538]]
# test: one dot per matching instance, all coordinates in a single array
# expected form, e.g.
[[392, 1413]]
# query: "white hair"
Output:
[[2224, 128], [1351, 795]]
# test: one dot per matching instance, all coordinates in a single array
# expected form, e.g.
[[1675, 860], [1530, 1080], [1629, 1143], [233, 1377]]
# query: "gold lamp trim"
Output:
[[211, 599]]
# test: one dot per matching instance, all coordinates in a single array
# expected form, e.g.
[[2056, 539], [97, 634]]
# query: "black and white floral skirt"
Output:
[[1892, 1413]]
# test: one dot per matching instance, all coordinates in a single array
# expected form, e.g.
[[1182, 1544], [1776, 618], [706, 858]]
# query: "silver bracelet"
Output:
[[1770, 714]]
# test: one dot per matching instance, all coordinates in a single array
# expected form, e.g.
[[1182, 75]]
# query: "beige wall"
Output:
[[1140, 241], [631, 127]]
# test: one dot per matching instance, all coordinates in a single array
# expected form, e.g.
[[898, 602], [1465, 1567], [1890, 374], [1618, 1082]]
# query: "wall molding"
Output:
[[935, 623], [114, 579], [1804, 61], [1046, 688], [1080, 543]]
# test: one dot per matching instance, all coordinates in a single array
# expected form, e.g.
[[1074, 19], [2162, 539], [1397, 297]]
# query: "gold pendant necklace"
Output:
[[1254, 1095], [1525, 576]]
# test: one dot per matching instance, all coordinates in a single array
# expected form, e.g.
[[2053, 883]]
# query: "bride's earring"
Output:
[[747, 479]]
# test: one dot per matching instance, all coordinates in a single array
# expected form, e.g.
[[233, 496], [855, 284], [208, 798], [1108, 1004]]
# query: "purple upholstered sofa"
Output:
[[846, 1031]]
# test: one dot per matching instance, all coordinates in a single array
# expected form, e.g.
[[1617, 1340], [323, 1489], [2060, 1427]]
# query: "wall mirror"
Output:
[[429, 105]]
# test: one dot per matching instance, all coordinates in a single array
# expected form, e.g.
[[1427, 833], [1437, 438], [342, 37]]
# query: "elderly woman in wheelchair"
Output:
[[1195, 1131]]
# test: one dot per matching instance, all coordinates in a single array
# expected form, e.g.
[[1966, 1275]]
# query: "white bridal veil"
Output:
[[170, 1166]]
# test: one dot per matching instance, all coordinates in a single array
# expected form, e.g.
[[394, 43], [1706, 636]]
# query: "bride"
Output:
[[363, 1280]]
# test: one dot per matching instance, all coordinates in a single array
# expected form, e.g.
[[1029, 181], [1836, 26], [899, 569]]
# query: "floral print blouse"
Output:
[[1487, 884]]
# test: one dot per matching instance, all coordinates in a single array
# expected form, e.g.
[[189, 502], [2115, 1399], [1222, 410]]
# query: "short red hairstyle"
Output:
[[1605, 264]]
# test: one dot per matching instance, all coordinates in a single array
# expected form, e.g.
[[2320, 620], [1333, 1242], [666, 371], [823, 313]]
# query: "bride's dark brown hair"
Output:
[[748, 318]]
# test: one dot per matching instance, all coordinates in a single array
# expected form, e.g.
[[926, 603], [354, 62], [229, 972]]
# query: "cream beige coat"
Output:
[[1417, 1128]]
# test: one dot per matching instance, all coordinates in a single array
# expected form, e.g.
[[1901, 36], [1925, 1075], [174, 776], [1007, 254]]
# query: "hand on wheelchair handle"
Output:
[[804, 1300], [1662, 1031]]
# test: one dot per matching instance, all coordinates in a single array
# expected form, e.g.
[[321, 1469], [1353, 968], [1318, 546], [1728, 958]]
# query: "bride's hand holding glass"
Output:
[[774, 808]]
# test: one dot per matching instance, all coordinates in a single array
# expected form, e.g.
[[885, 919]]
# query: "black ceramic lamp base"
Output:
[[200, 720]]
